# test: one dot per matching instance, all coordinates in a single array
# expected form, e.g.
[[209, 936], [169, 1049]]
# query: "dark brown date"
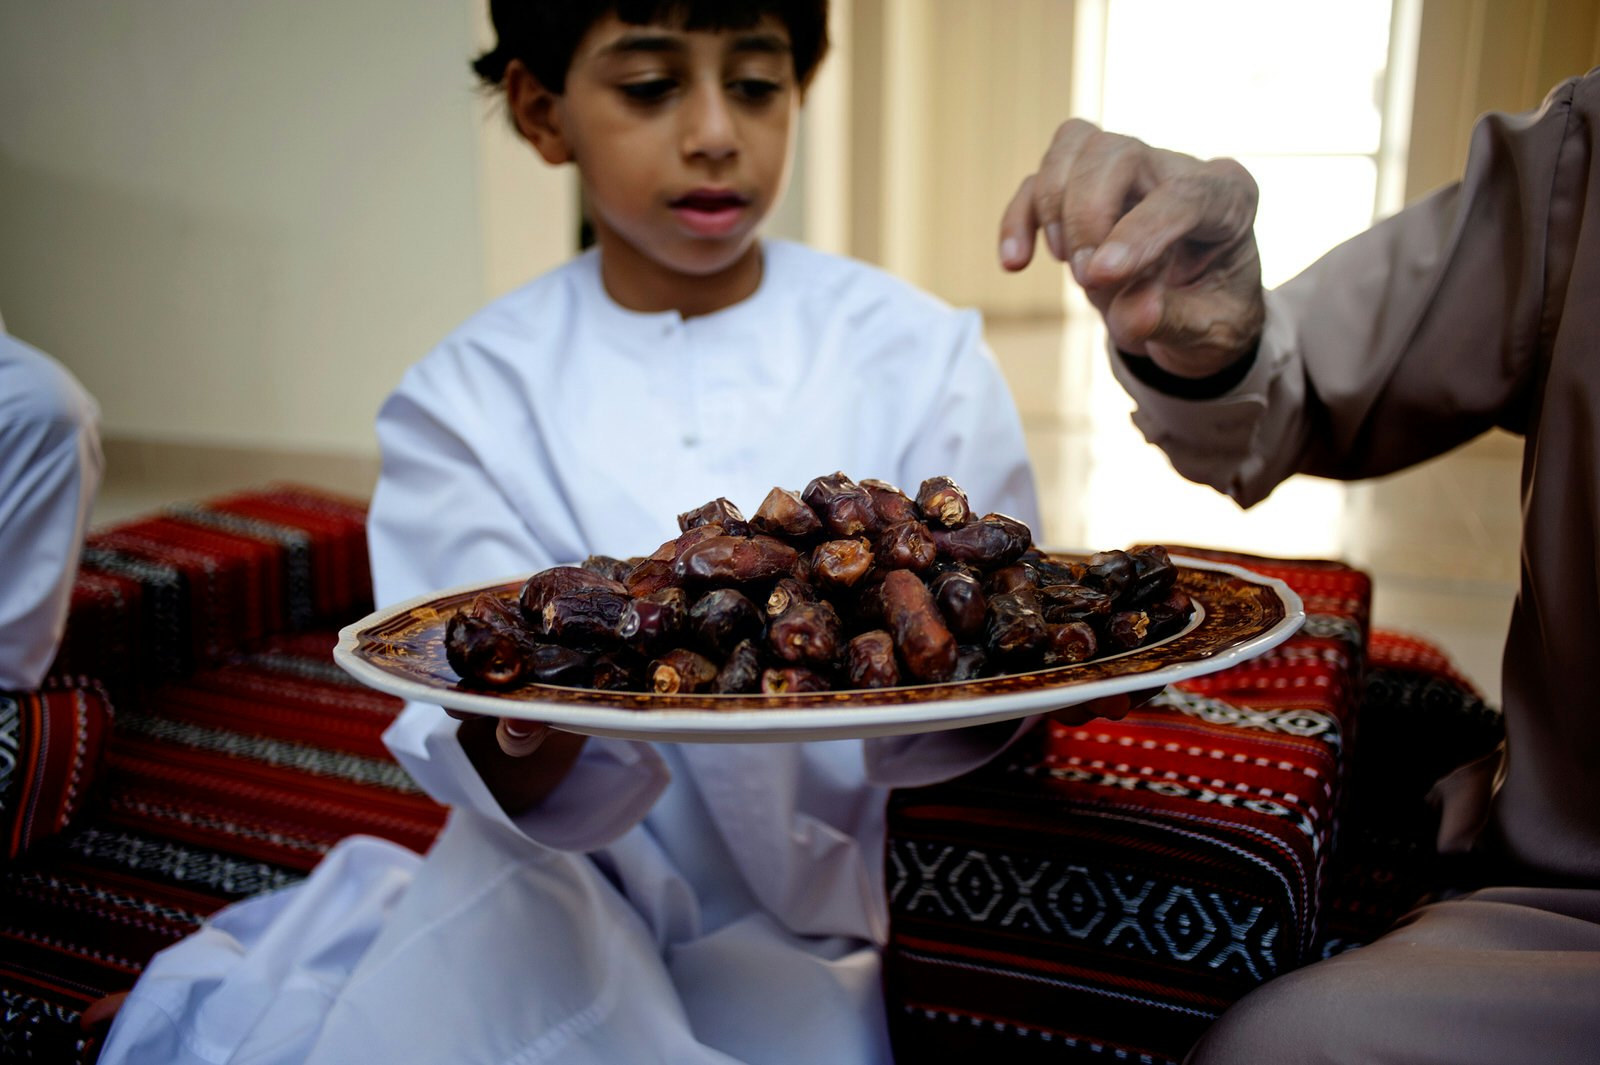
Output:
[[1127, 629], [1169, 613], [792, 680], [840, 563], [724, 560], [485, 654], [1070, 642], [870, 662], [717, 512], [943, 503], [723, 617], [654, 621], [891, 505], [681, 671], [962, 602], [1111, 572], [1012, 578], [614, 568], [972, 662], [539, 589], [585, 619], [1154, 574], [618, 671], [907, 545], [844, 506], [741, 673], [551, 663], [1016, 627], [787, 592], [486, 606], [926, 647], [807, 634], [1074, 602], [691, 538], [1056, 570], [784, 513], [649, 577], [989, 542]]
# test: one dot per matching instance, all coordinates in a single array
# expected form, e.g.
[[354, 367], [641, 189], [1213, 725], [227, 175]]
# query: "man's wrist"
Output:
[[1225, 380]]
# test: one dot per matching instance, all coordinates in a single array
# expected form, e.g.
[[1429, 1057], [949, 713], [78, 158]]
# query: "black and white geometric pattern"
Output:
[[188, 865], [1053, 898], [10, 746], [301, 756], [1289, 721]]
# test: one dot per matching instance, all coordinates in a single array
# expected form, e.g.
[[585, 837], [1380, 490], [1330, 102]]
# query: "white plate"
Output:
[[400, 650]]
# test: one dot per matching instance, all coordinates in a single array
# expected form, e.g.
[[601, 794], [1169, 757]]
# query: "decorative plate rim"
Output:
[[1243, 614]]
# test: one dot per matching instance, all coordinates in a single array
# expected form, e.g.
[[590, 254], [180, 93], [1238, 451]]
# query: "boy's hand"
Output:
[[521, 761], [1162, 243], [1111, 707]]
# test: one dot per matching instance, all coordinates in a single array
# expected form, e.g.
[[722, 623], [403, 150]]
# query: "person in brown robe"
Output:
[[1477, 307]]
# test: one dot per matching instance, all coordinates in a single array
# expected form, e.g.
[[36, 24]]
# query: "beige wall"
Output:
[[952, 102], [1481, 55], [239, 222]]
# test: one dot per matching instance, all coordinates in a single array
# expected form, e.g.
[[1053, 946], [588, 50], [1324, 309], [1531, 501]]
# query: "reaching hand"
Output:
[[1162, 243]]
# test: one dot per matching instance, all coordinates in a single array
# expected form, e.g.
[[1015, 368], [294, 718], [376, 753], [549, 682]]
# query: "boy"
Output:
[[604, 900]]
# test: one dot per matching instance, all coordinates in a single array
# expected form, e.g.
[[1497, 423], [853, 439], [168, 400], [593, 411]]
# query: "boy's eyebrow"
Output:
[[774, 43], [643, 42]]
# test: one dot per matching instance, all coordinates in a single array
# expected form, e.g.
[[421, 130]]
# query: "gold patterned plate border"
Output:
[[1241, 614]]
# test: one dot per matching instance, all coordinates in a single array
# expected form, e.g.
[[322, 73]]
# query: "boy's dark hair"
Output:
[[544, 34]]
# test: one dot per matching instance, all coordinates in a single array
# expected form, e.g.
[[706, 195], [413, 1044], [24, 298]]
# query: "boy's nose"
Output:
[[708, 124]]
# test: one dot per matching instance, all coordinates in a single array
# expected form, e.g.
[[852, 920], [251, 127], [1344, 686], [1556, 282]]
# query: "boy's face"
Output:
[[683, 141]]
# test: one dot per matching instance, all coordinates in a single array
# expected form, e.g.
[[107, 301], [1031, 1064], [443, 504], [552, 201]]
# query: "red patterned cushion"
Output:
[[1111, 890], [51, 744], [232, 782]]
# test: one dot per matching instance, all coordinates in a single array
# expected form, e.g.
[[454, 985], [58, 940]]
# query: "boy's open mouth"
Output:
[[710, 212]]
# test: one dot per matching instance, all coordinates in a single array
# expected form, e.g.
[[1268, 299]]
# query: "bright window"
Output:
[[1299, 93]]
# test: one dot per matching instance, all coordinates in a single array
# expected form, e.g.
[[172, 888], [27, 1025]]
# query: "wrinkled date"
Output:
[[942, 502], [989, 542], [735, 560], [844, 506], [843, 585], [870, 662], [920, 634]]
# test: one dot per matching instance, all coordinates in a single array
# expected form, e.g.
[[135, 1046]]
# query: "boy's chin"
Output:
[[711, 262]]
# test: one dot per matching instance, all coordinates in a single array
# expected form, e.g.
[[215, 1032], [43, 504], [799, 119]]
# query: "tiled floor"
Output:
[[1440, 541]]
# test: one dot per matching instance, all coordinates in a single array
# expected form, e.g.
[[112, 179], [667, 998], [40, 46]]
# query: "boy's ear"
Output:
[[533, 109]]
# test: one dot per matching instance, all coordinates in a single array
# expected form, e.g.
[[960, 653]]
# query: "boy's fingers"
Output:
[[1018, 228], [519, 739]]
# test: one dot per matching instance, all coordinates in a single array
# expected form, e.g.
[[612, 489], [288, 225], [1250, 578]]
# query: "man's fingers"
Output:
[[1107, 177], [1018, 228], [1191, 331], [520, 738], [1050, 184]]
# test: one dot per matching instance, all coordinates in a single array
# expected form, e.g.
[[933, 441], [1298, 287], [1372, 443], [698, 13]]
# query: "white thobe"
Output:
[[50, 466], [678, 903]]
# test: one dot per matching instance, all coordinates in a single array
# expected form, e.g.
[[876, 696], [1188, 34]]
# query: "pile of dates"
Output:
[[844, 585]]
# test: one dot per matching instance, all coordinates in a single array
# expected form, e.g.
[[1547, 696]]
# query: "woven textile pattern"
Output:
[[240, 752], [1104, 894]]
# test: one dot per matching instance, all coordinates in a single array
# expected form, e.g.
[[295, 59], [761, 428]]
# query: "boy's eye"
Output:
[[649, 91], [755, 90]]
